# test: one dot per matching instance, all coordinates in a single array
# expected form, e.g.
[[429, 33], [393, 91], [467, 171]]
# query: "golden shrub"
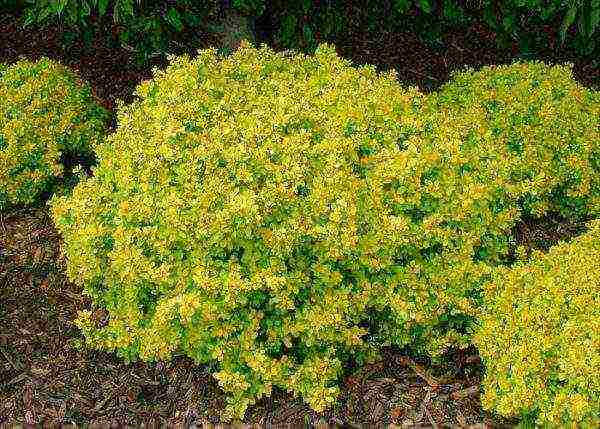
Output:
[[278, 214], [537, 128], [46, 112], [540, 336]]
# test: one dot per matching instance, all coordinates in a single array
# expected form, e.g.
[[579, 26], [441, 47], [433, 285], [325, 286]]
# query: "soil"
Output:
[[46, 377]]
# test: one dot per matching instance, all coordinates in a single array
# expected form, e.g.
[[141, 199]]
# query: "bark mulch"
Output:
[[47, 377]]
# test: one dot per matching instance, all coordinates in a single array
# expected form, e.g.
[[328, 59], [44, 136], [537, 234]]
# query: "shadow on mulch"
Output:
[[428, 68], [46, 377]]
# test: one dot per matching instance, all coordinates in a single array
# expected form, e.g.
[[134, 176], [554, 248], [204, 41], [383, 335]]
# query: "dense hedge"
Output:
[[532, 25], [540, 336], [47, 116], [277, 215]]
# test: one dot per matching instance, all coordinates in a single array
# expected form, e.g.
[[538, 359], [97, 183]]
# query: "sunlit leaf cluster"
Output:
[[540, 336], [46, 114]]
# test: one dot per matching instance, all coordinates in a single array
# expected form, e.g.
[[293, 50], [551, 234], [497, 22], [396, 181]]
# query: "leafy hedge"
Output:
[[277, 215], [151, 25], [540, 336], [574, 22], [47, 115]]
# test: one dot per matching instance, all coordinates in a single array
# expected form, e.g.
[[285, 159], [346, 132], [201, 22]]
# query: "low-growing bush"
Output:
[[276, 215], [535, 129], [47, 116], [540, 336]]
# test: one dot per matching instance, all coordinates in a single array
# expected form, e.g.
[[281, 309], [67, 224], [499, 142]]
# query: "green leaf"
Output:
[[402, 6], [102, 6], [86, 10], [29, 19], [59, 6], [567, 22], [583, 25], [508, 22], [44, 14], [174, 19], [490, 17], [451, 11], [308, 34], [425, 6], [594, 16], [306, 6]]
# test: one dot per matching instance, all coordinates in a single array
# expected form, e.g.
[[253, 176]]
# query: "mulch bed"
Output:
[[46, 377]]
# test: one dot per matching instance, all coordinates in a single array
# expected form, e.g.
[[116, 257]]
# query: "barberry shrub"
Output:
[[540, 336], [276, 215], [535, 128], [47, 115]]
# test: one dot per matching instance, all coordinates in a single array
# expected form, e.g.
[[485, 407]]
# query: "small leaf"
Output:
[[490, 18], [567, 22], [102, 6], [426, 5], [29, 19], [308, 34], [44, 14], [59, 6], [594, 16], [174, 19], [508, 22], [402, 6]]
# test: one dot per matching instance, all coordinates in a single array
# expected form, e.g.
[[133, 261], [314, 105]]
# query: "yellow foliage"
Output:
[[540, 336], [46, 113], [258, 210]]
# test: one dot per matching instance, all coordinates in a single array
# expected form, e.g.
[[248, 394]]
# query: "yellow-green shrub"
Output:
[[46, 112], [540, 336], [537, 128], [278, 214]]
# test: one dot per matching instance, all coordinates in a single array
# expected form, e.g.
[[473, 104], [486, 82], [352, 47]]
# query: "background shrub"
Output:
[[537, 131], [149, 27], [574, 21], [47, 116], [153, 27], [533, 25], [278, 215], [540, 336]]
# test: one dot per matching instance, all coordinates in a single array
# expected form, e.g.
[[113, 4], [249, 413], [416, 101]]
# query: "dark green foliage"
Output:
[[148, 27], [151, 27], [572, 22]]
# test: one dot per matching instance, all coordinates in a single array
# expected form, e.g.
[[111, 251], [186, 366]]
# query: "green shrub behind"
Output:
[[149, 27], [47, 115], [540, 336]]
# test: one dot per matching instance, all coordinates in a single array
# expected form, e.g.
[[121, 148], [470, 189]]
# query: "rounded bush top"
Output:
[[228, 203], [537, 118], [257, 150], [46, 114], [280, 213], [540, 336]]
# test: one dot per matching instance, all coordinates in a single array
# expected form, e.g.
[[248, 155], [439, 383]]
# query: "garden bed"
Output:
[[46, 377]]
